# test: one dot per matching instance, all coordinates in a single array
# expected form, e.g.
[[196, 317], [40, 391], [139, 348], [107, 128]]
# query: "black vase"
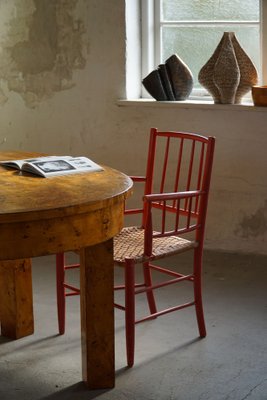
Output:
[[171, 81]]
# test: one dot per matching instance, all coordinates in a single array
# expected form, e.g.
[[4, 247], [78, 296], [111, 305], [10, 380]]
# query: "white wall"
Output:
[[70, 107]]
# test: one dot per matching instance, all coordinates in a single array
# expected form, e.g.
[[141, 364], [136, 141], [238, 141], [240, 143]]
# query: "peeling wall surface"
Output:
[[41, 46], [62, 69]]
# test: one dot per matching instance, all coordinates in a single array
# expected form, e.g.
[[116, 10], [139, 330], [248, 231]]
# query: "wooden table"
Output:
[[41, 216]]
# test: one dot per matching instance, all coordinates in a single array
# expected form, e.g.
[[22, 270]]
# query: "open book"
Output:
[[53, 165]]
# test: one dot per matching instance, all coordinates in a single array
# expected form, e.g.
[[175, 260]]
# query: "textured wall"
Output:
[[42, 44], [60, 61]]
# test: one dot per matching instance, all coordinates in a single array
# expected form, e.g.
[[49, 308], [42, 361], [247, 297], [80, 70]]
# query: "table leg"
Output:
[[97, 315], [16, 309]]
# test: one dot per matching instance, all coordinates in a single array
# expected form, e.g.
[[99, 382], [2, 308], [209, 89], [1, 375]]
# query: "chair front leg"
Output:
[[198, 291], [130, 310], [61, 299]]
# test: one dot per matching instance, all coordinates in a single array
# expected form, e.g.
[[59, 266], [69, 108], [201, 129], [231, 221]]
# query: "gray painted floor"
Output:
[[171, 362]]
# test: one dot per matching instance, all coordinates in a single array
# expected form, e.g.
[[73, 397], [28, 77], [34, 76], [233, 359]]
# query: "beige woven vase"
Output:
[[229, 73]]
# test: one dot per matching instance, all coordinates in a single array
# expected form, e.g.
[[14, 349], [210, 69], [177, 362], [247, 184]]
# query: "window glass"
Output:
[[195, 45], [210, 10], [193, 28]]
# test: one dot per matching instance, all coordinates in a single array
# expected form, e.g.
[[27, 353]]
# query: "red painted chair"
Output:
[[176, 186]]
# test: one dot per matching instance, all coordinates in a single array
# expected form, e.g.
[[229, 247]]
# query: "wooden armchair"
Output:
[[176, 187]]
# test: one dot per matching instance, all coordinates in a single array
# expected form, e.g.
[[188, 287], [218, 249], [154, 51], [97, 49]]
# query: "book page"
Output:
[[19, 163], [13, 163]]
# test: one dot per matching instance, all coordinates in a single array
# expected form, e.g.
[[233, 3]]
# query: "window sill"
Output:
[[190, 104]]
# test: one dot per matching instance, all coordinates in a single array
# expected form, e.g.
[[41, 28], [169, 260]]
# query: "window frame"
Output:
[[151, 43]]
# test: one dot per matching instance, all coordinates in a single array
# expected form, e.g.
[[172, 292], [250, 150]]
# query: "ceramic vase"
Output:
[[171, 81], [229, 73], [181, 77]]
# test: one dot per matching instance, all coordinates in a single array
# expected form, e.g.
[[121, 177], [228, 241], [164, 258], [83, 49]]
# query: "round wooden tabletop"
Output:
[[40, 216], [25, 196]]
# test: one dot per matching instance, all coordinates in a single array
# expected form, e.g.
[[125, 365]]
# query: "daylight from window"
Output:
[[193, 28]]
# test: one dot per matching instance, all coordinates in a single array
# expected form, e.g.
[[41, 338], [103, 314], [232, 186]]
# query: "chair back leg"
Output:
[[61, 299], [148, 283]]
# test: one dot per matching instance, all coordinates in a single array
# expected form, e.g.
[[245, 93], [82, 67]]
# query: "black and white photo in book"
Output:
[[53, 165]]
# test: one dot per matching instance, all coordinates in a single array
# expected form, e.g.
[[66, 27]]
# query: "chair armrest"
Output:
[[172, 196], [159, 201]]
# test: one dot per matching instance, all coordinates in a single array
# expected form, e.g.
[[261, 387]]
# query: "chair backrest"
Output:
[[179, 162]]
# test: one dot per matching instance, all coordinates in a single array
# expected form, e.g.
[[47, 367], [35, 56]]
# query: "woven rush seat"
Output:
[[129, 243]]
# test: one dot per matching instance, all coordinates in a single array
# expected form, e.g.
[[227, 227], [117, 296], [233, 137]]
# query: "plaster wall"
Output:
[[62, 69]]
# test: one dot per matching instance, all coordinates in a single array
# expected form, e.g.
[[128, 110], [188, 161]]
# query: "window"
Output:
[[193, 28]]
